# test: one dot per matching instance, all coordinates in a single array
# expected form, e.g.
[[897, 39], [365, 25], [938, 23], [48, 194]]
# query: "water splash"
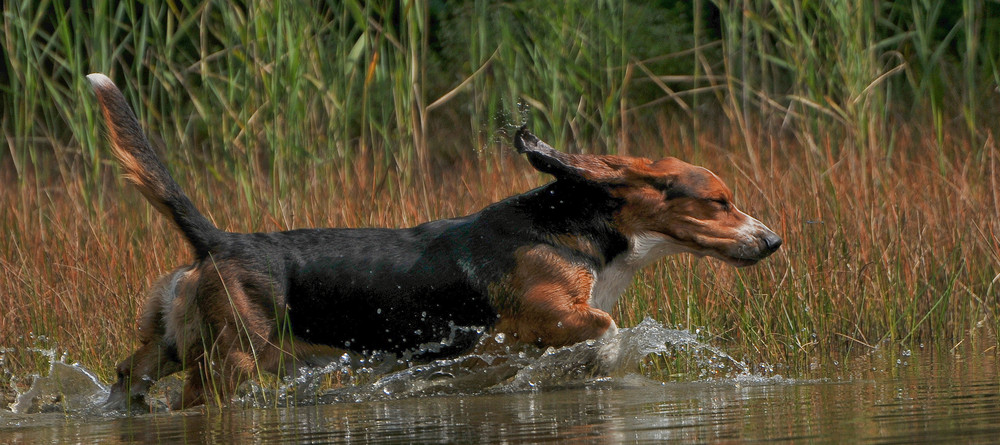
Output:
[[511, 367], [508, 119], [68, 387], [648, 351]]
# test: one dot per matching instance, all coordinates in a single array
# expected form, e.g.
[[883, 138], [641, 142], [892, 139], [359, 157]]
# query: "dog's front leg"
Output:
[[545, 322], [550, 305]]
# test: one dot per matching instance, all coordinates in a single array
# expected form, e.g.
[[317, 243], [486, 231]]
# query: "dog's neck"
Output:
[[616, 256], [616, 276]]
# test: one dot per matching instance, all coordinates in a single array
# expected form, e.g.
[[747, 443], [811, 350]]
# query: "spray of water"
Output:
[[498, 365], [68, 387]]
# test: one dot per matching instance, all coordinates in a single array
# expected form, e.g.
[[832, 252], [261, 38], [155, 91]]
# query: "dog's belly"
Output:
[[388, 290], [428, 322]]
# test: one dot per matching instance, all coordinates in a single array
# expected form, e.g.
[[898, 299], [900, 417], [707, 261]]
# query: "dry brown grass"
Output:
[[898, 249]]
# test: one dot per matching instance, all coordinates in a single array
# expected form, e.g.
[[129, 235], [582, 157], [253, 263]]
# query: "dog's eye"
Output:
[[721, 203]]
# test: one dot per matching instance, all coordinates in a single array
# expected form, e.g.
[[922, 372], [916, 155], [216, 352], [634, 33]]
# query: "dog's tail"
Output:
[[146, 172]]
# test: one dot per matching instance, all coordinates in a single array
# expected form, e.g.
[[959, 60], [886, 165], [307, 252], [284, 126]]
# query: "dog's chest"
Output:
[[616, 276]]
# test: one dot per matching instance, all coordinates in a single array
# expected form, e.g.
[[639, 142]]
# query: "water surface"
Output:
[[885, 397]]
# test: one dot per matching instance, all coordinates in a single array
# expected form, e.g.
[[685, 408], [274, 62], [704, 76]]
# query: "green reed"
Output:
[[851, 66]]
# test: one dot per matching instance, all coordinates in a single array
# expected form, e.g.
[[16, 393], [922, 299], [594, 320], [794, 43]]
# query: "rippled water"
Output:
[[536, 396]]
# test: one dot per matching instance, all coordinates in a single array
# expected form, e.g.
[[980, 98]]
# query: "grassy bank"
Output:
[[865, 136]]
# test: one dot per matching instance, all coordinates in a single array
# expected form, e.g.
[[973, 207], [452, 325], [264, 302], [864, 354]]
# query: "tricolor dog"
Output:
[[544, 267]]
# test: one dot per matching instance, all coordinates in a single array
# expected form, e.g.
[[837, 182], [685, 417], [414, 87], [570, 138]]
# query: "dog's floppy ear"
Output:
[[549, 160]]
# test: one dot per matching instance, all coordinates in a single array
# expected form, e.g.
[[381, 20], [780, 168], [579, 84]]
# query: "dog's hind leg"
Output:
[[151, 362], [245, 341], [214, 380], [228, 361], [157, 357], [194, 387]]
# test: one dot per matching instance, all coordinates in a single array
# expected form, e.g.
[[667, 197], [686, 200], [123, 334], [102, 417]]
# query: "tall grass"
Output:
[[852, 66], [865, 133]]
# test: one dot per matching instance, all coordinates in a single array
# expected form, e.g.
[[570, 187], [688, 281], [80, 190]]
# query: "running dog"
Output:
[[544, 267]]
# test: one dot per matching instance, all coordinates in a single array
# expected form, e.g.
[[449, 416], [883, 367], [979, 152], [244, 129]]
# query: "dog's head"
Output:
[[670, 205]]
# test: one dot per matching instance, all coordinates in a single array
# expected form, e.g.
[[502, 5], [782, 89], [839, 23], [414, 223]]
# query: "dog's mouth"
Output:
[[743, 257], [734, 261], [750, 253], [738, 261]]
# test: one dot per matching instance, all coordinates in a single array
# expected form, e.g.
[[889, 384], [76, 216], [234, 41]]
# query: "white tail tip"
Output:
[[98, 80]]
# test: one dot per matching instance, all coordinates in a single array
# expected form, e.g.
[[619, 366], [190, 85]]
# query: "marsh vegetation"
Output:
[[865, 133]]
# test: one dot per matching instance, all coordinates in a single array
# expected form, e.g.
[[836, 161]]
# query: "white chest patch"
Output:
[[643, 248]]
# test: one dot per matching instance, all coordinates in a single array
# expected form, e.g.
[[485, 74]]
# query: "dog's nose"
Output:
[[772, 241]]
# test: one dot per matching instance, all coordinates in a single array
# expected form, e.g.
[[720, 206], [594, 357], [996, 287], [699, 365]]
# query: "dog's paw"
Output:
[[608, 357]]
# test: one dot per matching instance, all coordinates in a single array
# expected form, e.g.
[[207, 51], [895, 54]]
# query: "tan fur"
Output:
[[552, 295], [121, 139], [190, 306]]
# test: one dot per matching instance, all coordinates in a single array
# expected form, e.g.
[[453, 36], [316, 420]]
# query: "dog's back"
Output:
[[332, 284]]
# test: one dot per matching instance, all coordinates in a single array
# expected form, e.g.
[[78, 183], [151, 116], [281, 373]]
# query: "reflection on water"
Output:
[[926, 396]]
